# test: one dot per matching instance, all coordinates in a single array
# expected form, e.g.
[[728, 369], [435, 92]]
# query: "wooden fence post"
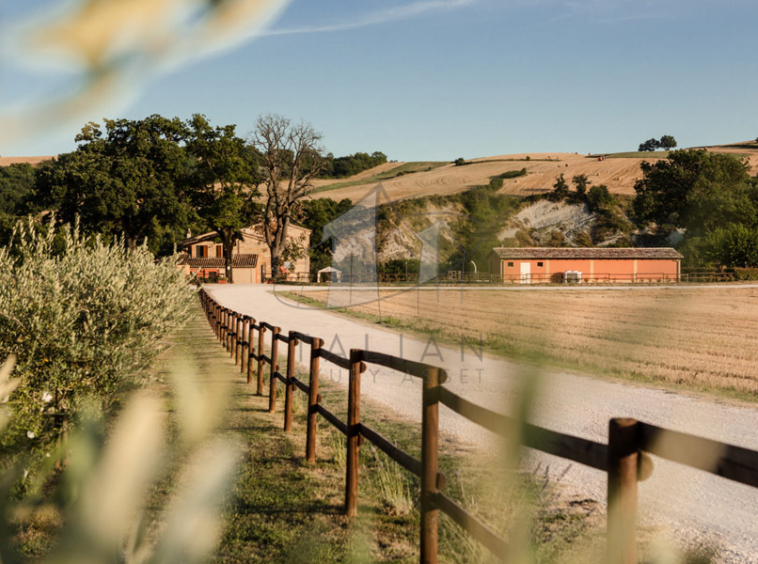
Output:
[[244, 341], [239, 336], [218, 322], [250, 349], [225, 338], [235, 337], [353, 435], [230, 331], [216, 314], [310, 442], [222, 327], [290, 389], [261, 362], [274, 368], [429, 465], [623, 463]]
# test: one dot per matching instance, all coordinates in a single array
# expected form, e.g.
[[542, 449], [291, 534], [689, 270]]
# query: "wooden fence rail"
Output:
[[626, 458]]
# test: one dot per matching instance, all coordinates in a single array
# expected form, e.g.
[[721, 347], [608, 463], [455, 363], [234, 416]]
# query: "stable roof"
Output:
[[594, 253]]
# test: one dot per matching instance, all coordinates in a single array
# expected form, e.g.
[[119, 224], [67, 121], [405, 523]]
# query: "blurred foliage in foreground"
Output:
[[96, 508]]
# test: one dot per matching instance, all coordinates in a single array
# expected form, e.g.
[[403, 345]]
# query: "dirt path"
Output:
[[691, 506]]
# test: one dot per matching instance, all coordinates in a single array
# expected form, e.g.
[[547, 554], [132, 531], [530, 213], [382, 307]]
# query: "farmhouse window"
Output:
[[219, 251], [540, 264], [201, 251], [510, 264]]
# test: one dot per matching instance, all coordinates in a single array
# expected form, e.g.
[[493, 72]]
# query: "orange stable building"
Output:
[[540, 265]]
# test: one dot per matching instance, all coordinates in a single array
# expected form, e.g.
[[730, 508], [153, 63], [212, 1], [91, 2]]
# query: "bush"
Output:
[[460, 162], [599, 199], [513, 174], [746, 273], [83, 320], [734, 245], [495, 184], [400, 266]]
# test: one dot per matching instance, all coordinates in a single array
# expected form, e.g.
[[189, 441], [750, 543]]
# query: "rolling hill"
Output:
[[412, 180]]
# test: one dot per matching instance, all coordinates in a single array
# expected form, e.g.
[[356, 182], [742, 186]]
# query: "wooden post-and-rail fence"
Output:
[[626, 458]]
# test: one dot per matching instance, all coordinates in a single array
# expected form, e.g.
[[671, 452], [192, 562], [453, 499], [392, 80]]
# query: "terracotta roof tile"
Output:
[[595, 253], [238, 261]]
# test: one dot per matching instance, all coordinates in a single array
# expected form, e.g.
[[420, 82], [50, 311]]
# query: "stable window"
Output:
[[540, 264], [510, 264]]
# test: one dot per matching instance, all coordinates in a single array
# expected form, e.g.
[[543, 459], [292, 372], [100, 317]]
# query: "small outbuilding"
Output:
[[329, 274], [549, 264]]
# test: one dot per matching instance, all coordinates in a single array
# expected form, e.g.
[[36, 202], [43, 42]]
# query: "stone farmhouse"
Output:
[[203, 256]]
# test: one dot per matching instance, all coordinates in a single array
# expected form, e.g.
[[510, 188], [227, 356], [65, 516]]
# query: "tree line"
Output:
[[666, 142], [157, 178], [345, 167], [710, 198]]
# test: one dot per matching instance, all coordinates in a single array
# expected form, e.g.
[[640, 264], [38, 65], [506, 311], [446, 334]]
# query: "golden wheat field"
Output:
[[704, 338], [618, 174]]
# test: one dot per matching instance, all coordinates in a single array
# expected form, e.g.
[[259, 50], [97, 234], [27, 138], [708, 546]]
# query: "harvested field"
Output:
[[542, 169], [701, 338], [7, 161], [619, 172]]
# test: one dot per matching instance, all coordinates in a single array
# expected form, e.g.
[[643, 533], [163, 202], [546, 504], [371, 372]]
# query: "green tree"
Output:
[[649, 145], [667, 142], [581, 182], [120, 180], [560, 188], [316, 214], [734, 245], [599, 199], [343, 167], [16, 184], [16, 187], [222, 181], [695, 190]]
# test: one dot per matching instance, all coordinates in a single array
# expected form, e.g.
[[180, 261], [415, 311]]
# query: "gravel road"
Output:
[[688, 505]]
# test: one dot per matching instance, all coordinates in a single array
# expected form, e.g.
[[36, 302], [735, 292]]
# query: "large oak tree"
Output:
[[121, 180]]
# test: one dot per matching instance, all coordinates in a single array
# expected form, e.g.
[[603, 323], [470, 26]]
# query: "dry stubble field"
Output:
[[703, 338]]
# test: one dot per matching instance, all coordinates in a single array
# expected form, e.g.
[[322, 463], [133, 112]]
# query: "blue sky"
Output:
[[441, 79]]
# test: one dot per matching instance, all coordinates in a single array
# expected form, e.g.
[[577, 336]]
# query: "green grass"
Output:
[[636, 155], [400, 170]]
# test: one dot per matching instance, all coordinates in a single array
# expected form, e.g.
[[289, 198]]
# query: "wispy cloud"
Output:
[[376, 18]]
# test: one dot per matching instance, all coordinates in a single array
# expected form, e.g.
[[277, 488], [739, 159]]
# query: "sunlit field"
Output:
[[702, 338]]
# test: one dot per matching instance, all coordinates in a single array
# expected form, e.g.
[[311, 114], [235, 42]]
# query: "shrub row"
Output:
[[84, 320]]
